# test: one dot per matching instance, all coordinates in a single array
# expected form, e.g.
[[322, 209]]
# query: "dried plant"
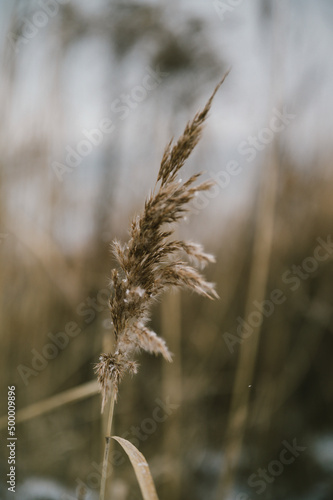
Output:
[[151, 262]]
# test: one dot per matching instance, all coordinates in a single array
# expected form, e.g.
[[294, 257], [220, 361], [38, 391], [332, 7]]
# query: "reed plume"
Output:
[[150, 262]]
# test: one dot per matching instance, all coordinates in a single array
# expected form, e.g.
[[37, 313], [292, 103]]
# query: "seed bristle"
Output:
[[150, 263]]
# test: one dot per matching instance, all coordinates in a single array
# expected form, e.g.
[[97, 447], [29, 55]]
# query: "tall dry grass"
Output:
[[151, 263]]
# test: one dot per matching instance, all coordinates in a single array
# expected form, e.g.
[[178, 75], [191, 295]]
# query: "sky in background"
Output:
[[69, 74]]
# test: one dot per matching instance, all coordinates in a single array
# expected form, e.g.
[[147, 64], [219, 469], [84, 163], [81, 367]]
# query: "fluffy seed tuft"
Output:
[[151, 262]]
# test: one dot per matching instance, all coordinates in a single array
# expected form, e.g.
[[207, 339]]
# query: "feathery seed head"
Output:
[[150, 262]]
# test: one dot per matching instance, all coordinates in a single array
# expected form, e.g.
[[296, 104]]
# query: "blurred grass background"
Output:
[[65, 67]]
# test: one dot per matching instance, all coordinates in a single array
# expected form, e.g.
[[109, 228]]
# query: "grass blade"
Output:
[[141, 469]]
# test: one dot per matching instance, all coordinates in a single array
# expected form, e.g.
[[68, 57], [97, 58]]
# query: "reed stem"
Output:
[[107, 447]]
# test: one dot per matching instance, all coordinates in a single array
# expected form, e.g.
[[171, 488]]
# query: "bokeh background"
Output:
[[90, 94]]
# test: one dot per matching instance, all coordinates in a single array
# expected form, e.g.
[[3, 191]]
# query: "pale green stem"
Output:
[[107, 447]]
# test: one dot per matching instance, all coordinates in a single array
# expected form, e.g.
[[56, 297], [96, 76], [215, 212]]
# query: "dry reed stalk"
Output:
[[260, 267], [259, 271], [149, 264], [47, 405], [240, 399]]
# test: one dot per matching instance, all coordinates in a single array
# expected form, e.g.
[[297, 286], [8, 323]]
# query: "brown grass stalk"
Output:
[[150, 263], [47, 405], [107, 446]]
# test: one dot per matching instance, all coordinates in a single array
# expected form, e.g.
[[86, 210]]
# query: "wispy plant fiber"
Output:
[[151, 261]]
